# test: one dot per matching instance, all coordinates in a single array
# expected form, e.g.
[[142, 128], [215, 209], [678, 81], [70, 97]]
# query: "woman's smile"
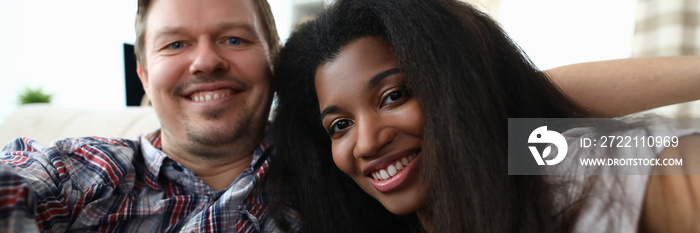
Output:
[[395, 174]]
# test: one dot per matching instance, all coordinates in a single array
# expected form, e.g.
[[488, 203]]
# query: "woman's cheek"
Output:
[[342, 157]]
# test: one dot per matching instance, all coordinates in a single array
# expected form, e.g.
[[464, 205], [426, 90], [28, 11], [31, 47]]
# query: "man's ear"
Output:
[[142, 77]]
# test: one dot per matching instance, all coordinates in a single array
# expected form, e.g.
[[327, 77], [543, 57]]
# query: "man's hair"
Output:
[[263, 11]]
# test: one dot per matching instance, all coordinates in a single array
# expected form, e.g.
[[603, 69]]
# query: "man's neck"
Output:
[[218, 174], [217, 167]]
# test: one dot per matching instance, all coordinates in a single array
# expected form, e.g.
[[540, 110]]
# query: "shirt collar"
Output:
[[155, 158]]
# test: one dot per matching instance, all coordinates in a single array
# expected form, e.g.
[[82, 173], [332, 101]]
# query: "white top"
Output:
[[608, 203]]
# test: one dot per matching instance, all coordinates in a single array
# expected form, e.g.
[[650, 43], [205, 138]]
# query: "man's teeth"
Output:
[[204, 97], [393, 168]]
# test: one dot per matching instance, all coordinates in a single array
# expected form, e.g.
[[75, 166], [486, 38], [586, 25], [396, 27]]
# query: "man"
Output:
[[205, 65]]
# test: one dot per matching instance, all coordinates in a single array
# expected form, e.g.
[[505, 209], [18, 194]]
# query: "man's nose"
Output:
[[208, 59], [372, 135]]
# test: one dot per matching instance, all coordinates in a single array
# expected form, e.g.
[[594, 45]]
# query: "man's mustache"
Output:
[[209, 78]]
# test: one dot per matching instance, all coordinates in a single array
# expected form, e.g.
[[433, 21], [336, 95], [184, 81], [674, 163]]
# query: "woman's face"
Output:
[[375, 124]]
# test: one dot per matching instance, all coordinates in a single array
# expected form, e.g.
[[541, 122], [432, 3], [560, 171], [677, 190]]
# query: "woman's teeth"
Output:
[[393, 168]]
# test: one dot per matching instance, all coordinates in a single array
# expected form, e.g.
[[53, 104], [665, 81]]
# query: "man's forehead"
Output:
[[202, 15]]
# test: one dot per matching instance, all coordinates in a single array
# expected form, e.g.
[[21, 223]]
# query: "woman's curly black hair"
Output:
[[468, 77]]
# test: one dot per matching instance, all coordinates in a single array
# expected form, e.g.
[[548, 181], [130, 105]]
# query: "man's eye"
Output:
[[339, 126], [234, 41], [394, 96], [176, 45]]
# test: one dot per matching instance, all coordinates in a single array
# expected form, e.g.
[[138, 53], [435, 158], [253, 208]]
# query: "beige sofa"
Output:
[[46, 122]]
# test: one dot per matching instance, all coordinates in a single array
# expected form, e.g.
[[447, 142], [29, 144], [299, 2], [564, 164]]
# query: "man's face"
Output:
[[207, 72]]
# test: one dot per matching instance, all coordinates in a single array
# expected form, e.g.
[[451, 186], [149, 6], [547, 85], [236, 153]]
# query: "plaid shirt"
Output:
[[119, 185]]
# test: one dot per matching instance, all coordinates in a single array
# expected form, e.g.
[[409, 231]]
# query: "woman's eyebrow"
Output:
[[373, 82], [376, 79], [328, 110]]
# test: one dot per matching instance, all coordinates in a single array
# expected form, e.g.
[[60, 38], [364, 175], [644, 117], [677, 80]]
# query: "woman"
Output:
[[410, 100]]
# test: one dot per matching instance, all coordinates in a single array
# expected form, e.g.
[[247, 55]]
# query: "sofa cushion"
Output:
[[45, 123]]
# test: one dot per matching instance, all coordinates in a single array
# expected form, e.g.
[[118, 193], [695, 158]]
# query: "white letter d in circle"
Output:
[[542, 135]]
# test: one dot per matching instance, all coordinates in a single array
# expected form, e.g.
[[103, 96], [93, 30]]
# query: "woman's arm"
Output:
[[621, 87]]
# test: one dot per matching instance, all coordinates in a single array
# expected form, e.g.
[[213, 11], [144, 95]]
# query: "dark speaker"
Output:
[[134, 90]]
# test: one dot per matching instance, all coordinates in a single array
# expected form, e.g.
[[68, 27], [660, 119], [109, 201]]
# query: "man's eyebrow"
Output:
[[376, 79], [225, 26], [328, 110], [167, 31]]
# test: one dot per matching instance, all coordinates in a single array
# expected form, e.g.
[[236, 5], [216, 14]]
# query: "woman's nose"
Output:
[[372, 135]]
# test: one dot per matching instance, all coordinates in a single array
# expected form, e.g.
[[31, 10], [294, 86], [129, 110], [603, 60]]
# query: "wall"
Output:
[[70, 46], [560, 32], [65, 46]]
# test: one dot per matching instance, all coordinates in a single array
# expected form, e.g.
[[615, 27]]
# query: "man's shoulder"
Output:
[[24, 141], [85, 161], [92, 152], [70, 145], [93, 141]]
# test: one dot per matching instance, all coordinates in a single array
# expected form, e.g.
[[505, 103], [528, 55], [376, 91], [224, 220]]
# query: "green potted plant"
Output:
[[34, 95]]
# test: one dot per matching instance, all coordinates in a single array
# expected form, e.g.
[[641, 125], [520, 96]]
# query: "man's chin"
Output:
[[213, 115], [220, 132]]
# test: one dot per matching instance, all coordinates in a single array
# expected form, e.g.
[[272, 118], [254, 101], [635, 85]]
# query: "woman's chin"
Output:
[[401, 207]]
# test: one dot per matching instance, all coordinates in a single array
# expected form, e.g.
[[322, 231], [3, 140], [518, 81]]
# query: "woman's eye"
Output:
[[394, 96], [234, 41], [339, 126], [176, 45]]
